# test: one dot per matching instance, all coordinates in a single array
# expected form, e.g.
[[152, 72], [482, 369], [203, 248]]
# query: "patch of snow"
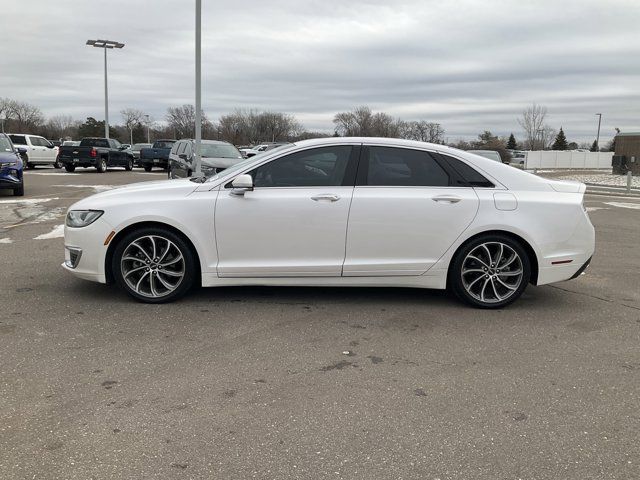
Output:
[[634, 206], [6, 240], [51, 173], [593, 209], [57, 232], [96, 188], [29, 201]]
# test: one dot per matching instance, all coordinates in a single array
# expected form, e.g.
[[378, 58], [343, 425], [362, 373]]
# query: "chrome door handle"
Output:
[[447, 198], [327, 197]]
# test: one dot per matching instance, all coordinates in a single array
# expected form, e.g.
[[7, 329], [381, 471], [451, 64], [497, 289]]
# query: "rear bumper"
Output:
[[156, 162], [79, 162], [581, 269]]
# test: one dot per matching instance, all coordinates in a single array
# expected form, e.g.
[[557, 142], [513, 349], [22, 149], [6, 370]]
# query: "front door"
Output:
[[405, 213], [294, 222]]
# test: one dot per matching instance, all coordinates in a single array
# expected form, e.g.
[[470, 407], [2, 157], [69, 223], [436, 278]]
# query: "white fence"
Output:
[[561, 159]]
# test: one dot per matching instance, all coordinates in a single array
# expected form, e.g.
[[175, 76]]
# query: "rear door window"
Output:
[[401, 167], [18, 139]]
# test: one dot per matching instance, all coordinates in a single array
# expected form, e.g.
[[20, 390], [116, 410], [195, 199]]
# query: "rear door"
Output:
[[407, 210]]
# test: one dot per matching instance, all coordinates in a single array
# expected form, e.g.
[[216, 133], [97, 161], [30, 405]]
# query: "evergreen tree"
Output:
[[561, 141], [594, 146], [511, 143]]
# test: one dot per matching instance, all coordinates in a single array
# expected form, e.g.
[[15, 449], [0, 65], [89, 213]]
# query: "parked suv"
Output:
[[11, 166], [215, 155], [39, 150]]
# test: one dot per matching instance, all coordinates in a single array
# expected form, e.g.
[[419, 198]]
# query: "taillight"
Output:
[[93, 153]]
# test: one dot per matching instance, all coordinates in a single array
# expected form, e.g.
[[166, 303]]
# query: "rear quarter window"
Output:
[[470, 176], [18, 139]]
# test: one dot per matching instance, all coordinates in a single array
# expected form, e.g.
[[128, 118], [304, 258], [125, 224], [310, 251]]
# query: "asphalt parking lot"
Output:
[[237, 383]]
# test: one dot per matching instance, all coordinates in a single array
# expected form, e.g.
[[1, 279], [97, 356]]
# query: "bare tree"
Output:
[[61, 126], [362, 122], [250, 127], [132, 118], [182, 121], [25, 117], [532, 122], [424, 131]]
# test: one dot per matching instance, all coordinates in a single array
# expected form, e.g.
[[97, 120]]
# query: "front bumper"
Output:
[[89, 243], [10, 177]]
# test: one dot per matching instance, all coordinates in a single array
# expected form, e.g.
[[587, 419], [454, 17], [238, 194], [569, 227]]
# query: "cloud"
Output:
[[466, 64]]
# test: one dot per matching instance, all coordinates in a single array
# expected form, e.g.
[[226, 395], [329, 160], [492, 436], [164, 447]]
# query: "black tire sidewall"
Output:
[[189, 262], [455, 278]]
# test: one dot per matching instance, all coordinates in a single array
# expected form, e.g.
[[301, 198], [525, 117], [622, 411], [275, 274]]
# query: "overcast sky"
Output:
[[469, 65]]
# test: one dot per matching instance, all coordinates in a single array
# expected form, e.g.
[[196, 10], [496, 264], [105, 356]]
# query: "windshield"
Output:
[[5, 144], [219, 151], [163, 144], [239, 166]]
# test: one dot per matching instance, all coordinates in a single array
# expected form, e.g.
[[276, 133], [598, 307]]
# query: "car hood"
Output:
[[136, 192], [220, 162], [7, 157]]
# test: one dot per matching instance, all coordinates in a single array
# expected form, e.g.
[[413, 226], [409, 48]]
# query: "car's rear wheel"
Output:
[[70, 168], [102, 165], [491, 271], [129, 166], [154, 265], [147, 168]]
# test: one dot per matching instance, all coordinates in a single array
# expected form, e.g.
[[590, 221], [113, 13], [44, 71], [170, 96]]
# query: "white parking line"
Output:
[[6, 240], [57, 232], [51, 173]]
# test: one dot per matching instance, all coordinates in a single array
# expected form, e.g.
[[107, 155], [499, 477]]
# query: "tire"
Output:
[[129, 166], [57, 164], [102, 165], [490, 271], [138, 273], [169, 174], [147, 168], [18, 192], [70, 168]]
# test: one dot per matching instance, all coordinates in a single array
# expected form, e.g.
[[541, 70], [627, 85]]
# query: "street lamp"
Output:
[[599, 115], [105, 44], [146, 116], [198, 125]]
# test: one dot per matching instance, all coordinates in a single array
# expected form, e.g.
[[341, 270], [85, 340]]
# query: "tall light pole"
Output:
[[105, 44], [147, 121], [197, 169], [599, 115]]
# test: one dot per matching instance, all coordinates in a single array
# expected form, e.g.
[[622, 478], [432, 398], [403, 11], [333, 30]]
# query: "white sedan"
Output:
[[339, 212]]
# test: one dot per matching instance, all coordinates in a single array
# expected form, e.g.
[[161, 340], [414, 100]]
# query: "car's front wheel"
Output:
[[154, 265], [491, 271], [129, 166]]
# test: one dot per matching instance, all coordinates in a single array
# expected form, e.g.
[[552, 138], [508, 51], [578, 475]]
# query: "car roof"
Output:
[[207, 142]]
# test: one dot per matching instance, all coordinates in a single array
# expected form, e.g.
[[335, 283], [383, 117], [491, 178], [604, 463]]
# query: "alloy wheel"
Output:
[[152, 266], [492, 272]]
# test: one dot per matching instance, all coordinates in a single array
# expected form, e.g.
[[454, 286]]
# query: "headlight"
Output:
[[82, 218], [8, 164]]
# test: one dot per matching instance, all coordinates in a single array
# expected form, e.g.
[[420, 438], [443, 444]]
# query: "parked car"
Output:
[[257, 149], [215, 157], [39, 150], [135, 151], [100, 153], [341, 212], [490, 154], [157, 155], [11, 166]]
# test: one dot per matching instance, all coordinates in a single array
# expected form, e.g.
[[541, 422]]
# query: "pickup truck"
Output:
[[157, 155], [95, 152], [38, 150]]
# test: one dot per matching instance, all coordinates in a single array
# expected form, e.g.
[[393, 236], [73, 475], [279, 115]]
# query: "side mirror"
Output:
[[242, 184]]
